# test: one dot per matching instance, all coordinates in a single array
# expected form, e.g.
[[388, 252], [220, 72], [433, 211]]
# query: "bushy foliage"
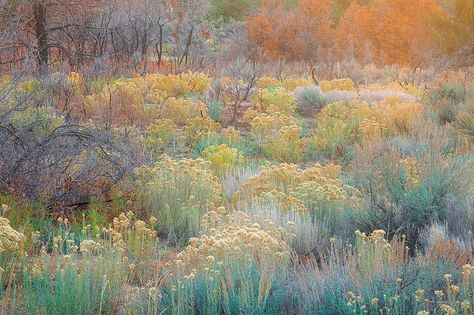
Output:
[[373, 216], [223, 158], [343, 123], [275, 100], [345, 84], [317, 191], [178, 193]]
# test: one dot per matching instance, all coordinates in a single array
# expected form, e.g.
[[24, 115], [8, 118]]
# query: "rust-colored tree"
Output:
[[387, 32], [302, 33]]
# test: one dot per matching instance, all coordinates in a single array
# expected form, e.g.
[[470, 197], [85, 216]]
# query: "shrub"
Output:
[[345, 84], [233, 239], [406, 193], [275, 100], [181, 110], [285, 145], [223, 158], [264, 126], [178, 193], [317, 192], [288, 83], [215, 109], [160, 134], [198, 128], [310, 100], [343, 123], [179, 85]]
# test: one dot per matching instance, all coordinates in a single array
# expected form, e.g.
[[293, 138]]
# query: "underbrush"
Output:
[[183, 194]]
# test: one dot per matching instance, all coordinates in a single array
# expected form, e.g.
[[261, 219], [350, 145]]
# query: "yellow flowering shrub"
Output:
[[344, 84], [286, 145], [263, 126], [178, 193], [398, 115], [275, 100], [231, 135], [127, 234], [344, 122], [179, 85], [11, 241], [268, 82], [411, 89], [222, 157], [317, 189], [76, 81], [288, 83], [160, 134], [180, 110], [120, 101], [371, 128], [142, 99], [231, 238], [412, 172], [198, 127], [292, 83], [337, 124]]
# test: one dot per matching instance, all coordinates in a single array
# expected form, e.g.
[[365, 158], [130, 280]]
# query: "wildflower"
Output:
[[419, 294], [10, 239], [374, 301], [351, 295], [89, 246], [448, 310], [466, 306], [210, 259], [152, 292], [423, 313], [439, 294], [454, 289]]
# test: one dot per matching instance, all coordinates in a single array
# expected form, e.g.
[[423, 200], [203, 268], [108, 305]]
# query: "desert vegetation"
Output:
[[237, 157]]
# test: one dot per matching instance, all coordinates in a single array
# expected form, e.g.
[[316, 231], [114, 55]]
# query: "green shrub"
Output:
[[178, 193]]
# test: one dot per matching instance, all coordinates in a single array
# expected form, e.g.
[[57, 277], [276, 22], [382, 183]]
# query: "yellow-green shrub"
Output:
[[286, 145], [197, 128], [231, 238], [342, 123], [318, 190], [275, 100], [178, 193], [344, 84], [180, 110], [288, 83], [160, 134], [222, 157]]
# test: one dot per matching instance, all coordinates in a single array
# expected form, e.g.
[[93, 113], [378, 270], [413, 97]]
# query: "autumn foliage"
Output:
[[379, 31]]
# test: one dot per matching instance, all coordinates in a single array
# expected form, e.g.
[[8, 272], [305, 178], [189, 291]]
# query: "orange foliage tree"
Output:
[[388, 31], [379, 31], [302, 33]]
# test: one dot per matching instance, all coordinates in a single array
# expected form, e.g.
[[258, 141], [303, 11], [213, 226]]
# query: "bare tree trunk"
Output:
[[160, 46], [39, 13]]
